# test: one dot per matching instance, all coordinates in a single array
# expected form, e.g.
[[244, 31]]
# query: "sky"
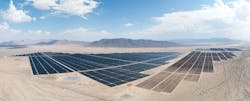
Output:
[[90, 20]]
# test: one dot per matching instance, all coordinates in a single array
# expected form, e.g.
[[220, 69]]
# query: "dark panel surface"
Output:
[[114, 76]]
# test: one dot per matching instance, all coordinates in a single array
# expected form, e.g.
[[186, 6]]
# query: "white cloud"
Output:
[[4, 26], [85, 34], [231, 19], [8, 33], [43, 17], [69, 7], [76, 7], [16, 16], [128, 24], [43, 4]]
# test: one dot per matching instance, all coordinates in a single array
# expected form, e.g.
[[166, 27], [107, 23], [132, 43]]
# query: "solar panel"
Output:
[[217, 49], [33, 67], [215, 57], [186, 66], [58, 67], [197, 67], [232, 49], [114, 76], [222, 57], [137, 56], [231, 54], [138, 67], [38, 65], [41, 64], [227, 55], [46, 66], [162, 61], [208, 64], [100, 60], [179, 63]]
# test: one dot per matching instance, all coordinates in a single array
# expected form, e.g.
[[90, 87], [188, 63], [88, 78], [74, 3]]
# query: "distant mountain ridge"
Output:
[[122, 42], [7, 43], [60, 42], [11, 45]]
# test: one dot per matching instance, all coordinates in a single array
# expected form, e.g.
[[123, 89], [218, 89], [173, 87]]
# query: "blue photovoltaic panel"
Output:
[[76, 65], [162, 61], [208, 64], [232, 49], [41, 64], [222, 57], [100, 60], [217, 49], [138, 56], [227, 55], [114, 76], [138, 67]]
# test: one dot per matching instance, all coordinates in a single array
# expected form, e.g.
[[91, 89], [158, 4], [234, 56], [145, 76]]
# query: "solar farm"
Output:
[[120, 68], [108, 69]]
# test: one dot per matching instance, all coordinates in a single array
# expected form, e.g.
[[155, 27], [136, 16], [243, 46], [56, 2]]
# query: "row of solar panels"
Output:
[[220, 49], [189, 68]]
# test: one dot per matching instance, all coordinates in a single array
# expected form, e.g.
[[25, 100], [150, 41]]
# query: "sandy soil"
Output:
[[229, 82]]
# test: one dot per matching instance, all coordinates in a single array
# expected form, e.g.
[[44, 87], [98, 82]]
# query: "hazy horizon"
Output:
[[171, 40]]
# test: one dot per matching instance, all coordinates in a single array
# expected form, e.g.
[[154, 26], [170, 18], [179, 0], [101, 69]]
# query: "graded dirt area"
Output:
[[228, 82]]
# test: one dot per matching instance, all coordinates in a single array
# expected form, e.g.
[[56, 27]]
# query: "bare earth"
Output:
[[229, 82]]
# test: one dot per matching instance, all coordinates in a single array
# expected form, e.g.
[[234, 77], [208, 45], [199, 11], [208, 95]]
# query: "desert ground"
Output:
[[228, 82]]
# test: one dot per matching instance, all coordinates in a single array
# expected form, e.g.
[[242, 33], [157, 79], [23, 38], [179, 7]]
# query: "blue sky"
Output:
[[90, 20]]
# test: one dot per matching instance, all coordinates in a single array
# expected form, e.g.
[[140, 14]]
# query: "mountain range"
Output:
[[122, 42]]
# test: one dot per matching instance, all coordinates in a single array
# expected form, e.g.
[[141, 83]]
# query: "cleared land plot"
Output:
[[197, 67], [227, 55], [153, 81], [215, 57], [193, 78], [188, 65], [222, 57], [231, 54], [170, 83], [208, 64], [179, 63]]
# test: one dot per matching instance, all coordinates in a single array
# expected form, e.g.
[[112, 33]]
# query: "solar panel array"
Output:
[[109, 69], [119, 68], [44, 65], [218, 49], [188, 68], [113, 76], [197, 66]]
